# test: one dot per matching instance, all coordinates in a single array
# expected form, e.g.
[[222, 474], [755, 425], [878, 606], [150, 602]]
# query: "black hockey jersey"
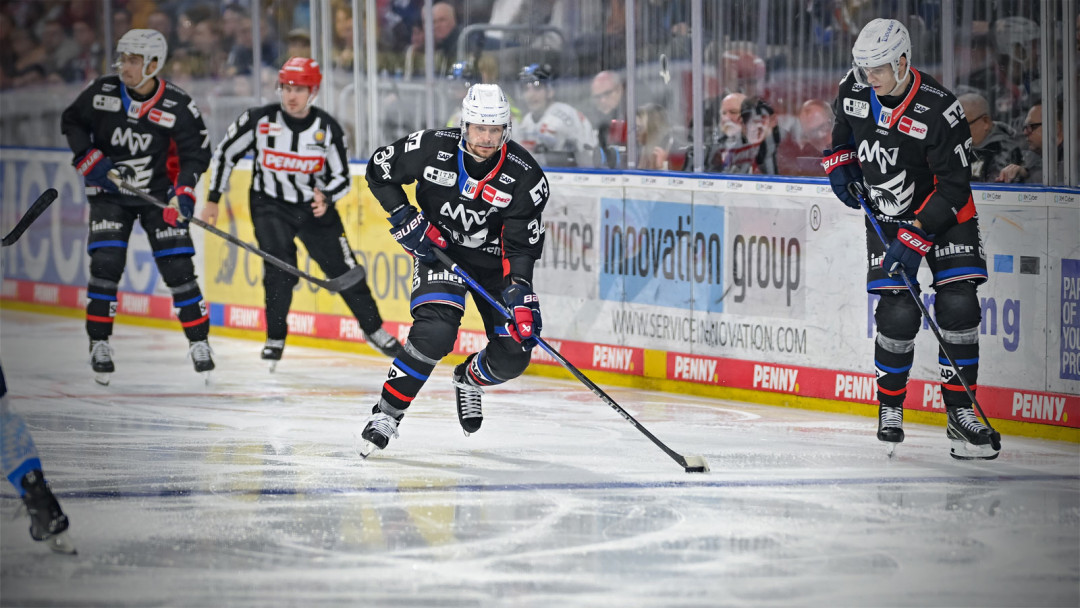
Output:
[[489, 212], [915, 156], [293, 156], [154, 143]]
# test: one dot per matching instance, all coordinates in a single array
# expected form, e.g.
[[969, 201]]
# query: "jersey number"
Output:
[[414, 141]]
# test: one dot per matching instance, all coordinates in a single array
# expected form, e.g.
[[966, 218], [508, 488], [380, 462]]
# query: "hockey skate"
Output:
[[468, 397], [47, 521], [382, 341], [377, 432], [272, 352], [971, 439], [202, 356], [101, 361], [890, 427]]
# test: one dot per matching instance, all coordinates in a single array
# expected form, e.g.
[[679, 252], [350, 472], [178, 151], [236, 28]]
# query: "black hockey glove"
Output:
[[907, 250], [842, 167], [415, 234], [94, 166], [524, 306], [181, 206]]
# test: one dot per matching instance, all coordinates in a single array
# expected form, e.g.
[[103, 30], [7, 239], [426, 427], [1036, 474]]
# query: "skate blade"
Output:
[[206, 378], [102, 378], [60, 543], [366, 448], [890, 449], [962, 450], [273, 366]]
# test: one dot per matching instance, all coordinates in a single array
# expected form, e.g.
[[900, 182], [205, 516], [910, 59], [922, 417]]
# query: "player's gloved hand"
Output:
[[181, 206], [842, 167], [524, 307], [94, 166], [415, 234], [907, 250]]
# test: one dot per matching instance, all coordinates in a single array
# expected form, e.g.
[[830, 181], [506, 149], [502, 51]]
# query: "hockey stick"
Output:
[[692, 464], [337, 284], [995, 437], [40, 205]]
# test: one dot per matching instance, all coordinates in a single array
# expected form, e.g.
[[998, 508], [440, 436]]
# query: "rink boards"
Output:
[[690, 282]]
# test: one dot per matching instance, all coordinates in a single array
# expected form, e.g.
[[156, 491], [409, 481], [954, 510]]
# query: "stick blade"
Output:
[[696, 464], [353, 276], [37, 208]]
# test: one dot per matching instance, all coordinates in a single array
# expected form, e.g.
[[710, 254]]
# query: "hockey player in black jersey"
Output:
[[301, 170], [902, 138], [150, 132], [481, 196]]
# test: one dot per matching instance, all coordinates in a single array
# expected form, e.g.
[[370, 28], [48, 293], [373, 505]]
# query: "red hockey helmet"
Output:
[[301, 71]]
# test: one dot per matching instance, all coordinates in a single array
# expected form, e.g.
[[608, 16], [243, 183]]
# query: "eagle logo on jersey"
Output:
[[892, 198]]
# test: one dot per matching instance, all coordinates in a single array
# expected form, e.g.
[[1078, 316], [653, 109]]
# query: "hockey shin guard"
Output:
[[191, 311], [893, 360], [101, 303], [17, 451], [407, 375], [963, 345]]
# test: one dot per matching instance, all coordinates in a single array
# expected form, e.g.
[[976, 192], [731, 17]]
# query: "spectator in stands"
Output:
[[557, 134], [445, 30], [59, 47], [343, 37], [297, 44], [87, 63], [607, 97], [1031, 170], [761, 134], [30, 58], [994, 144], [1017, 85], [232, 19], [207, 55], [722, 138], [654, 137], [396, 23], [800, 152], [121, 23], [162, 21]]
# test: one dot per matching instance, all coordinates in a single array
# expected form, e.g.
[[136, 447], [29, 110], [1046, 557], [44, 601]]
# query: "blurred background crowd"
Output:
[[720, 86]]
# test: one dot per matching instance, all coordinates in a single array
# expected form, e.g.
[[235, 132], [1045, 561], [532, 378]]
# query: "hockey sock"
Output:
[[407, 375], [360, 301], [893, 360], [100, 308], [963, 345], [16, 447], [478, 372], [191, 310]]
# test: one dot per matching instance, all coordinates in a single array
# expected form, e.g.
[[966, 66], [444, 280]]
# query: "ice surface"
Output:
[[249, 492]]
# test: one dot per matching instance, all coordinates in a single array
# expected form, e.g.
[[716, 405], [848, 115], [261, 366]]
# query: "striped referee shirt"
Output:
[[293, 156]]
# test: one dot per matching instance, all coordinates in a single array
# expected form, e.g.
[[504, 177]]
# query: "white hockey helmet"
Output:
[[1013, 37], [148, 43], [485, 104], [881, 41]]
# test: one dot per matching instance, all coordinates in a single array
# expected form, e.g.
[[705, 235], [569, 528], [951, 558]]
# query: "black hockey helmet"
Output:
[[537, 74]]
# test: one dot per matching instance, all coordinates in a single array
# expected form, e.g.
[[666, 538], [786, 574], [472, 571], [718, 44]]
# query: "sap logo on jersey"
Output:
[[497, 198], [291, 163], [505, 179], [135, 142], [854, 107], [444, 155], [107, 103], [912, 127], [439, 176], [165, 119]]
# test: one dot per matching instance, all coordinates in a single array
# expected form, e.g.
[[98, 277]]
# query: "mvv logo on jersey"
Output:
[[912, 127], [135, 142], [291, 163]]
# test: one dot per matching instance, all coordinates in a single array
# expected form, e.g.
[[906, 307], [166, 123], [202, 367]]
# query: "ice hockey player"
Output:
[[899, 135], [22, 467], [301, 171], [150, 132], [481, 196], [554, 132]]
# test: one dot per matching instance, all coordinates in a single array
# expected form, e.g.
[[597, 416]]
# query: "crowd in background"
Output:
[[771, 78]]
